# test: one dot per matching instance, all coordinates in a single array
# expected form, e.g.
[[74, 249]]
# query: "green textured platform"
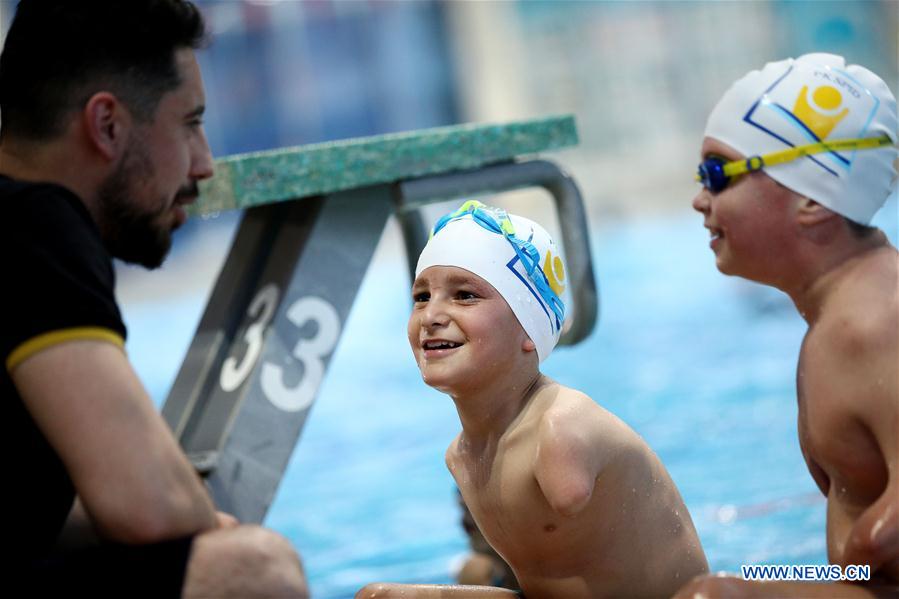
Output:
[[246, 180]]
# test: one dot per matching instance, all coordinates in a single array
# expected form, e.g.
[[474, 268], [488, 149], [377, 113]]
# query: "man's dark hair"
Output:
[[58, 53]]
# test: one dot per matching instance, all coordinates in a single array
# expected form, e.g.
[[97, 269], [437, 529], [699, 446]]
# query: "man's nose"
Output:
[[202, 164]]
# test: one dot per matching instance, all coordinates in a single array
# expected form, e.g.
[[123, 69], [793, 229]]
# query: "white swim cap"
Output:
[[479, 239], [815, 97]]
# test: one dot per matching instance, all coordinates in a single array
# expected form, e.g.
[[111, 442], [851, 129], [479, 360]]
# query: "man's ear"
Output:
[[106, 122], [810, 213], [528, 346]]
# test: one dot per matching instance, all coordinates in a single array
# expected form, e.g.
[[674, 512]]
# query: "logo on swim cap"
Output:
[[822, 113], [811, 103], [555, 272], [809, 100]]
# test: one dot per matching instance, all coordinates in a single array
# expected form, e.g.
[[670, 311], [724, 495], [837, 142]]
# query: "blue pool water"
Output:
[[701, 365]]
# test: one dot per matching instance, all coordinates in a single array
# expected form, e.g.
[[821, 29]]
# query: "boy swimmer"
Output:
[[801, 226], [569, 495]]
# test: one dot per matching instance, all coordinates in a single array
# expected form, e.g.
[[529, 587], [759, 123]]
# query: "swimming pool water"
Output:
[[701, 365]]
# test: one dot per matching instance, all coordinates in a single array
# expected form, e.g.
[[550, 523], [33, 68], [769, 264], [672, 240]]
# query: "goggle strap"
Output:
[[754, 163]]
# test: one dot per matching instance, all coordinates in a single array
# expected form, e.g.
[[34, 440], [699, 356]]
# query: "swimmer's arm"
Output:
[[134, 481], [874, 538], [866, 386], [567, 461]]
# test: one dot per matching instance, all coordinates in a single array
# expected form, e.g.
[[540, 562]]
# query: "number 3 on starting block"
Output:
[[309, 352]]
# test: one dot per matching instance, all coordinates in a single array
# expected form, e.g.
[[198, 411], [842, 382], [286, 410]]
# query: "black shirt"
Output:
[[58, 285]]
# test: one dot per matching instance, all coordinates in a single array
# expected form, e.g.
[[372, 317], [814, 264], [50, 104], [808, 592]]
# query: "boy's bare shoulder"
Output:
[[859, 325], [572, 411], [847, 367], [572, 419], [577, 440]]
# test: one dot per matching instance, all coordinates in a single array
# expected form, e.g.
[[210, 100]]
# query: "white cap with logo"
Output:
[[460, 241], [813, 98]]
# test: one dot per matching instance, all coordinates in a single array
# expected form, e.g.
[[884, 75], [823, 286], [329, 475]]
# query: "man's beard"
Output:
[[130, 233]]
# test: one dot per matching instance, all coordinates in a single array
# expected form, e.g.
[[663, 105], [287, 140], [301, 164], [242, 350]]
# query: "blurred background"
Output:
[[701, 365]]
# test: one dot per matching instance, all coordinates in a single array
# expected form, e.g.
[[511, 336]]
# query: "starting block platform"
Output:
[[313, 218]]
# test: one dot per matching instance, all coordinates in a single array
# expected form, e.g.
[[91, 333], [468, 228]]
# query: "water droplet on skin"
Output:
[[875, 530]]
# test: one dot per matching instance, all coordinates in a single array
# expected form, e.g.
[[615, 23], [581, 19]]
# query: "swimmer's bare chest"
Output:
[[506, 501]]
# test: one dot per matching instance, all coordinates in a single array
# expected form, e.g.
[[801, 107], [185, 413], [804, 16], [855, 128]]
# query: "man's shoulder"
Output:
[[40, 207], [13, 192]]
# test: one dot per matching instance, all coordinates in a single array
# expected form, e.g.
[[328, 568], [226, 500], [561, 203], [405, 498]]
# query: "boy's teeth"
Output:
[[440, 345]]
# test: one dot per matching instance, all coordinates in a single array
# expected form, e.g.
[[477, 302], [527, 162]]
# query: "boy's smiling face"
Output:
[[461, 330], [749, 221]]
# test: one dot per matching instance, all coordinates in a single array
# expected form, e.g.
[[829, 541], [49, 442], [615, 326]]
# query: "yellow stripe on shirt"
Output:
[[45, 340]]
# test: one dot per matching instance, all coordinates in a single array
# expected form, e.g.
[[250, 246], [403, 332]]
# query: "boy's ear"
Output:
[[810, 213], [106, 122], [528, 346]]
